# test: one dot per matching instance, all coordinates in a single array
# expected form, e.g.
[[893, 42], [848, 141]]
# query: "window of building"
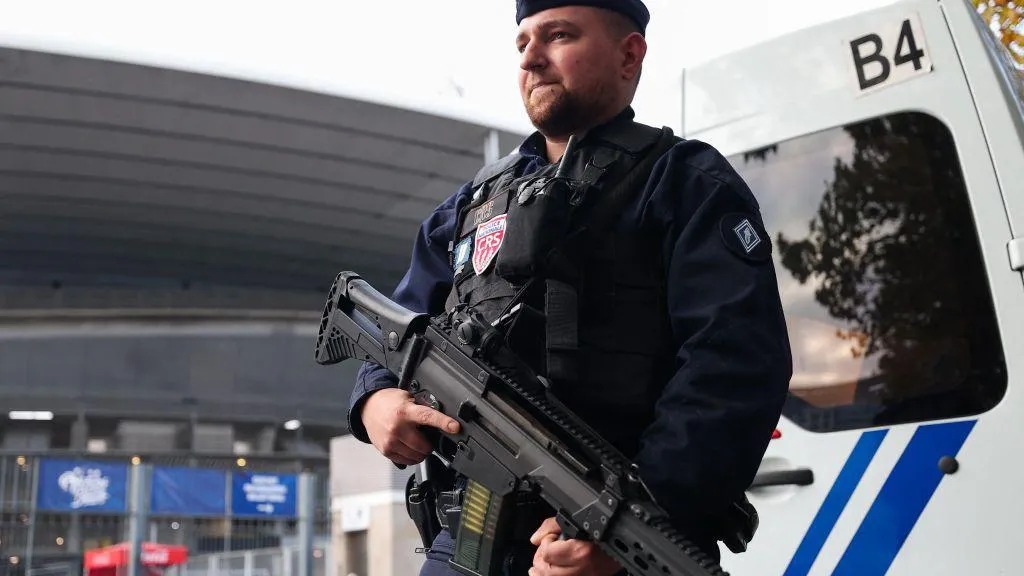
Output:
[[357, 553], [885, 292], [97, 445]]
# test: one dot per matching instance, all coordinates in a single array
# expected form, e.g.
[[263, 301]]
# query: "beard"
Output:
[[565, 112]]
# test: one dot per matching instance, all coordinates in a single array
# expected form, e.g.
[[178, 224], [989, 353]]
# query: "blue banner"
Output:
[[66, 485], [188, 491], [261, 494]]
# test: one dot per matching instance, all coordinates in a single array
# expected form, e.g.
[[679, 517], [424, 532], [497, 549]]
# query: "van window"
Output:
[[886, 298]]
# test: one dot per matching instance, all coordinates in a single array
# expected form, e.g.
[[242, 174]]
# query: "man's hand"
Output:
[[556, 557], [392, 420]]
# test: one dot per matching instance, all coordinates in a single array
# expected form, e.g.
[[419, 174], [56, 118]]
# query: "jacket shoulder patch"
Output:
[[744, 236]]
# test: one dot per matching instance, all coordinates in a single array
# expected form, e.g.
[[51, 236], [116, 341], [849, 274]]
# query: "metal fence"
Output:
[[55, 542], [282, 561]]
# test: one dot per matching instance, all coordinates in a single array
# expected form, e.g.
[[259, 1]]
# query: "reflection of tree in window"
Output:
[[893, 252], [760, 153]]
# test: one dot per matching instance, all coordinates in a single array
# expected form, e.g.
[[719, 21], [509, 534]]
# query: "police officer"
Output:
[[661, 326]]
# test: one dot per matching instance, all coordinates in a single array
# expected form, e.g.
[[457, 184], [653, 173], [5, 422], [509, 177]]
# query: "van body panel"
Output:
[[921, 495]]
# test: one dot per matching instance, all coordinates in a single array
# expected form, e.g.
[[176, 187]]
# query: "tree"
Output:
[[1006, 19]]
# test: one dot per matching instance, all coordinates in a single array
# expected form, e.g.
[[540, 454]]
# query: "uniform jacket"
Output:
[[715, 414]]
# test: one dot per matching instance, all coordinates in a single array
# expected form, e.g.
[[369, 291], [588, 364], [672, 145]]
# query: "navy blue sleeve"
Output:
[[424, 288], [716, 414]]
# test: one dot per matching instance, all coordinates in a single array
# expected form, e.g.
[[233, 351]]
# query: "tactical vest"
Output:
[[581, 289]]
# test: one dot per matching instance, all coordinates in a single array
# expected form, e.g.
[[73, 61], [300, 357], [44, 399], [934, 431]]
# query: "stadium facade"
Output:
[[167, 239]]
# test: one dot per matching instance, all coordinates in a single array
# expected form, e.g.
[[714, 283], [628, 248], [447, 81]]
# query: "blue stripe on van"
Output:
[[902, 499], [836, 500]]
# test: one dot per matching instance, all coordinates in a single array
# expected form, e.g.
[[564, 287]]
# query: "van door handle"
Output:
[[794, 477]]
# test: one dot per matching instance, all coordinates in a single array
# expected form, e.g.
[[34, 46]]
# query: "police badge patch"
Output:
[[489, 237], [743, 235], [483, 212], [462, 252], [747, 235]]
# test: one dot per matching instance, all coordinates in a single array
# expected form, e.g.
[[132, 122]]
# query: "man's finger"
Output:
[[542, 565], [552, 570], [563, 571], [565, 557], [416, 441], [539, 557], [563, 552], [425, 416], [400, 453], [548, 526], [399, 458], [417, 445]]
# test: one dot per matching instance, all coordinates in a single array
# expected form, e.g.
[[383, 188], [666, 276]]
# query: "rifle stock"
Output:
[[359, 322]]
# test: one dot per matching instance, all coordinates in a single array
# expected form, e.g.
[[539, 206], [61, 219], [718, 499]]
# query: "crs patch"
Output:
[[744, 236], [489, 237]]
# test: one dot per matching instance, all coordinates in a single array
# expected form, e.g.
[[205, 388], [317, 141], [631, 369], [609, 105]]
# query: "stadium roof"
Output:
[[123, 170]]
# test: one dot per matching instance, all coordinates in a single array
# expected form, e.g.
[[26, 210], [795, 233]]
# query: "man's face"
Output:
[[568, 74]]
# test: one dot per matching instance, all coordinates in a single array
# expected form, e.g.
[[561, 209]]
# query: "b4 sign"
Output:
[[893, 54]]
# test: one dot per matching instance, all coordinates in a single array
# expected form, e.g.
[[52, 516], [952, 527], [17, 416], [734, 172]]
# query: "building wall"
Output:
[[371, 529], [214, 370]]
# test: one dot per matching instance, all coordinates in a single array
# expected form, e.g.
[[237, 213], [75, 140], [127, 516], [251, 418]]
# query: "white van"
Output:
[[886, 152]]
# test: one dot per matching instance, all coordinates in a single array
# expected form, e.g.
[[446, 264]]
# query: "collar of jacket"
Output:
[[534, 147]]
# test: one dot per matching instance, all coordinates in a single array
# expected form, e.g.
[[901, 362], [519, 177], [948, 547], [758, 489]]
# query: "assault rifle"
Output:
[[516, 438]]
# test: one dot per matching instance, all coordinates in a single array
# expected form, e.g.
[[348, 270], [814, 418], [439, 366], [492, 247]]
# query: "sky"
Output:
[[459, 62]]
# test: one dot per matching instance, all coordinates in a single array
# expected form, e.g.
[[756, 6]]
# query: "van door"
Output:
[[890, 239], [895, 339]]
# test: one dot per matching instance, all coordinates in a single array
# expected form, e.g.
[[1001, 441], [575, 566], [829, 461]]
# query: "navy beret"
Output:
[[634, 9]]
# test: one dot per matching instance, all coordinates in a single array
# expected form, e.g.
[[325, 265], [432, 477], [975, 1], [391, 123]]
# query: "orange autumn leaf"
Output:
[[1006, 20]]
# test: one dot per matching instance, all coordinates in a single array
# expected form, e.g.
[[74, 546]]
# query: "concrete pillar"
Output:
[[306, 496], [492, 147]]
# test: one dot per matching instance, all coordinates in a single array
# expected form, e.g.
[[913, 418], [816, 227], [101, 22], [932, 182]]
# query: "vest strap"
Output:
[[561, 298], [631, 137], [496, 169], [561, 310]]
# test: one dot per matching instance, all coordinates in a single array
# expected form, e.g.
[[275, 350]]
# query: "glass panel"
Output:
[[884, 289]]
